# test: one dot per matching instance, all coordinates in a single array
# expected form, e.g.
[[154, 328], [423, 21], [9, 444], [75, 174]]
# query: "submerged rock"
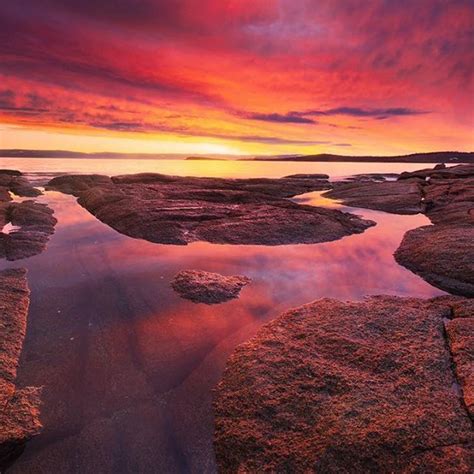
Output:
[[350, 387], [19, 407], [179, 210], [206, 287]]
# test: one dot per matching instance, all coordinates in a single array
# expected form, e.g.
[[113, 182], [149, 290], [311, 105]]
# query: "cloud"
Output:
[[382, 113], [290, 117], [167, 66], [304, 117]]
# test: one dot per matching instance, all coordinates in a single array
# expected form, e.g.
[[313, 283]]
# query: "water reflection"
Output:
[[128, 367], [47, 167]]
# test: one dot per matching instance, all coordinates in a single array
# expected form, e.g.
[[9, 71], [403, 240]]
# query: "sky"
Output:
[[350, 77]]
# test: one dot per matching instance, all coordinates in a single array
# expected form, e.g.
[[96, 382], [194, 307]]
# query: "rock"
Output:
[[460, 330], [19, 407], [206, 287], [12, 180], [346, 387], [450, 201], [459, 171], [398, 197], [10, 172], [441, 254], [69, 184], [372, 177], [307, 176], [176, 210], [36, 224]]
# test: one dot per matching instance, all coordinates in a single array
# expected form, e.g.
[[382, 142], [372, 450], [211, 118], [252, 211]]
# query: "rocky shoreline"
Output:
[[180, 210], [381, 385], [33, 222], [19, 406]]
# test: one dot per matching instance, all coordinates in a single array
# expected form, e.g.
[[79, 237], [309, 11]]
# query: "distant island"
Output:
[[431, 157]]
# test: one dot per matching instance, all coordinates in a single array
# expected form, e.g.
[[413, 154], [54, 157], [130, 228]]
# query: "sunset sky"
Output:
[[238, 76]]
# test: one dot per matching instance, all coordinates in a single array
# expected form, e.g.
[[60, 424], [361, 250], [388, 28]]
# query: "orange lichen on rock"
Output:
[[19, 407], [336, 386]]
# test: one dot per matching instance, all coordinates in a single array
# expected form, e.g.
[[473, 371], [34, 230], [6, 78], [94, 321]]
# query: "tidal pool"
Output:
[[128, 367]]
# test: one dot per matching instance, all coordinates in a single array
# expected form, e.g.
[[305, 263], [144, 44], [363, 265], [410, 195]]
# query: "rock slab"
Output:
[[207, 287], [370, 386], [19, 407], [443, 254], [180, 210], [35, 222]]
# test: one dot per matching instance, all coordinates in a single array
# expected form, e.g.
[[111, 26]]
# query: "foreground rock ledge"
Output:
[[351, 387], [441, 254], [34, 222], [208, 288], [179, 210], [19, 407]]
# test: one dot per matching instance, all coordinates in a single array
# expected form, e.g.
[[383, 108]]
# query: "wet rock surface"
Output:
[[441, 254], [13, 181], [179, 210], [206, 287], [351, 387], [19, 407], [33, 222], [398, 197]]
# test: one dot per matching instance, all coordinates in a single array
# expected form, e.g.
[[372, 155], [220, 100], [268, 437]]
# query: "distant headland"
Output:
[[430, 157]]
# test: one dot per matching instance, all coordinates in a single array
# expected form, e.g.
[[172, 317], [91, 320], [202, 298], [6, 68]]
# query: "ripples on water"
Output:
[[128, 367]]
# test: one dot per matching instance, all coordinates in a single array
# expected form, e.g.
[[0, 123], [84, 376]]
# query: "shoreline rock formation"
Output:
[[19, 407], [396, 197], [15, 182], [206, 287], [180, 210], [365, 386], [442, 254], [34, 220]]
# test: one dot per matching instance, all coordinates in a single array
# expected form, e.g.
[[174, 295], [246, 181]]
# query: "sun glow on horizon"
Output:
[[246, 77]]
